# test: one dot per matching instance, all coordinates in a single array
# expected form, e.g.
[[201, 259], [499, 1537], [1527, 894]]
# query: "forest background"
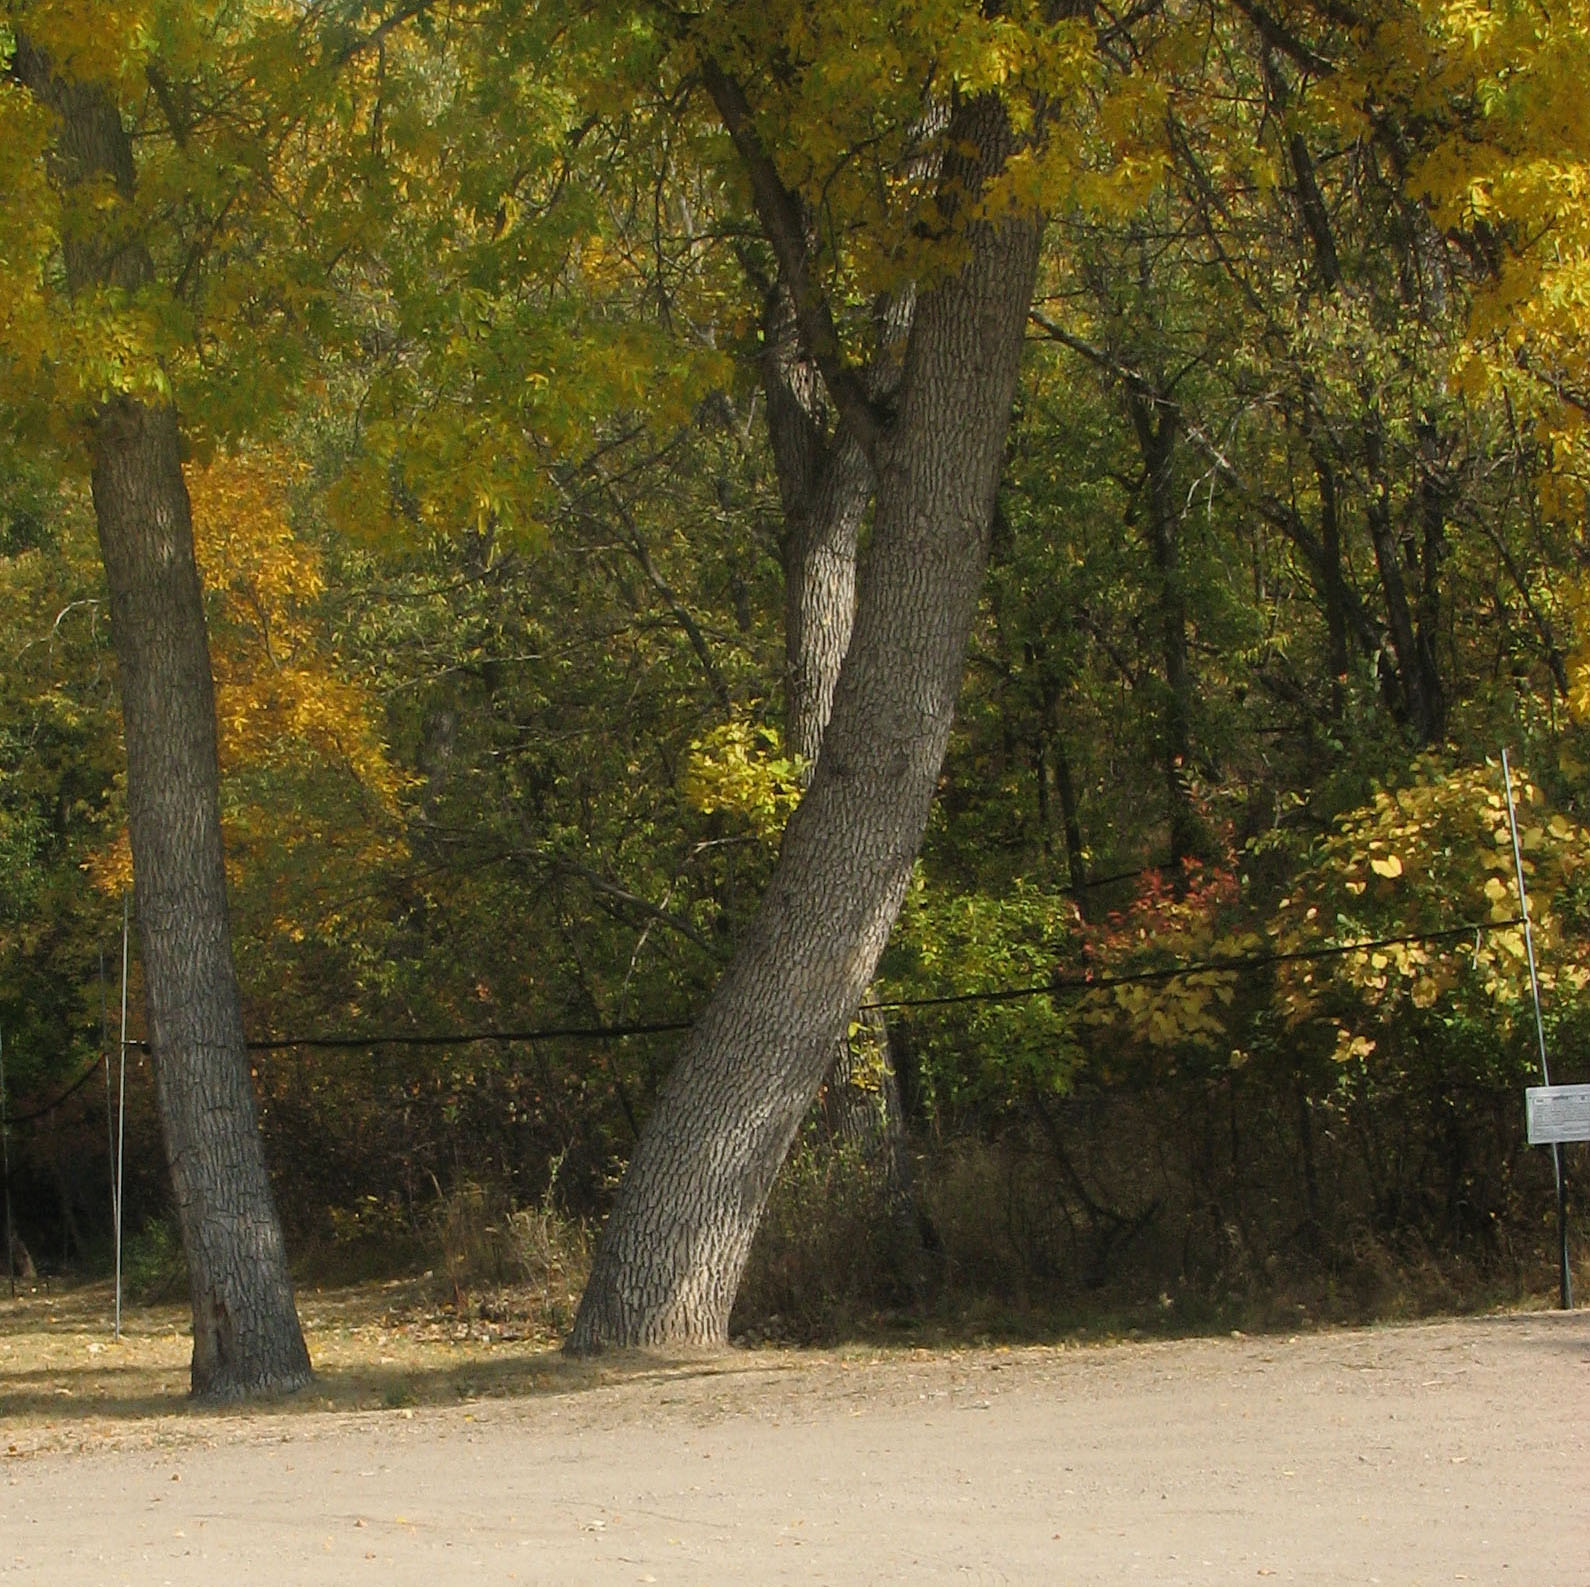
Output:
[[482, 361]]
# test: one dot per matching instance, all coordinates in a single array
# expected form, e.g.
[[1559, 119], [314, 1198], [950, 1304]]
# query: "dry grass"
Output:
[[65, 1382], [487, 1321]]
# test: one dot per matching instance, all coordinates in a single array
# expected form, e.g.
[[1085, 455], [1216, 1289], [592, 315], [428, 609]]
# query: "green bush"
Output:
[[154, 1267]]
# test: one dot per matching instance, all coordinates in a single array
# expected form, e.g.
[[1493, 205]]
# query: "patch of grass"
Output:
[[825, 1257], [513, 1267], [1018, 1259], [65, 1382]]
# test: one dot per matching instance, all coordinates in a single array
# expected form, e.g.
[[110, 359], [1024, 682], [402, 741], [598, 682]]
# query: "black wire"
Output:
[[1205, 967], [1055, 986], [464, 1038], [1001, 995], [49, 1107]]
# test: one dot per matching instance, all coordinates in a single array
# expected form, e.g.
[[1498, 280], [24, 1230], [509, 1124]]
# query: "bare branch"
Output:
[[1283, 41], [607, 888], [779, 211]]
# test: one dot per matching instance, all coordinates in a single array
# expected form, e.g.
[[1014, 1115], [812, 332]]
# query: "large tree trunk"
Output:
[[672, 1253], [246, 1337], [825, 486], [819, 556]]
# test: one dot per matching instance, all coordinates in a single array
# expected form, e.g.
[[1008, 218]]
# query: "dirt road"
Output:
[[1434, 1453]]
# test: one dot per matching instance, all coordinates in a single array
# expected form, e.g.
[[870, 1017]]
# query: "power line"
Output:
[[1061, 985], [1056, 986], [66, 1096], [466, 1038]]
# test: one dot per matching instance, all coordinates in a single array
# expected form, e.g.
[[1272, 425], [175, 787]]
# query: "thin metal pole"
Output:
[[121, 1105], [1564, 1272], [1523, 909], [110, 1100], [5, 1162]]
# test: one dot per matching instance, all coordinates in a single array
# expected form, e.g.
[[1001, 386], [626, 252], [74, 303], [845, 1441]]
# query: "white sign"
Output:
[[1557, 1113]]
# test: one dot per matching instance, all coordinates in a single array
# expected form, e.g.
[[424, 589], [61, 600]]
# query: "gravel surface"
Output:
[[1432, 1453]]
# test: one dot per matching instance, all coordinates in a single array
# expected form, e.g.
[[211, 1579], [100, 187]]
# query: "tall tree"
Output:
[[246, 1336], [675, 1245]]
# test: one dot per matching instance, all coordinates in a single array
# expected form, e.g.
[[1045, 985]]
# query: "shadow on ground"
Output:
[[60, 1365]]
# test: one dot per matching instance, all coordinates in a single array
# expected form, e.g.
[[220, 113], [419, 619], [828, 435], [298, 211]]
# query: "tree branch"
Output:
[[1284, 41], [607, 888], [779, 211], [636, 545]]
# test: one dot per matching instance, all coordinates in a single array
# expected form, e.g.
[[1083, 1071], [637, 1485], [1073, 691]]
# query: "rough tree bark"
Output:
[[246, 1336], [672, 1253], [825, 487]]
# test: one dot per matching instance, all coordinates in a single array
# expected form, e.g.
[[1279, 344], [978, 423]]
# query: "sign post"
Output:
[[1553, 1116]]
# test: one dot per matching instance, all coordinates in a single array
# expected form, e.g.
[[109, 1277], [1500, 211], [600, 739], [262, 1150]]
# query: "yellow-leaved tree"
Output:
[[107, 299], [310, 800], [1430, 858]]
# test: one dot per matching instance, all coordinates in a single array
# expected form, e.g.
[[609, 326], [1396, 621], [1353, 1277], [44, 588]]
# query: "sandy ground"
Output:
[[1438, 1452]]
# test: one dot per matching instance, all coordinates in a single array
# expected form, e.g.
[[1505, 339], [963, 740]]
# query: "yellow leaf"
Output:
[[1390, 866], [1349, 1046]]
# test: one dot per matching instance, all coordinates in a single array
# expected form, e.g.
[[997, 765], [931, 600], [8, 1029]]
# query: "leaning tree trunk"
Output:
[[825, 487], [246, 1337], [672, 1253]]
